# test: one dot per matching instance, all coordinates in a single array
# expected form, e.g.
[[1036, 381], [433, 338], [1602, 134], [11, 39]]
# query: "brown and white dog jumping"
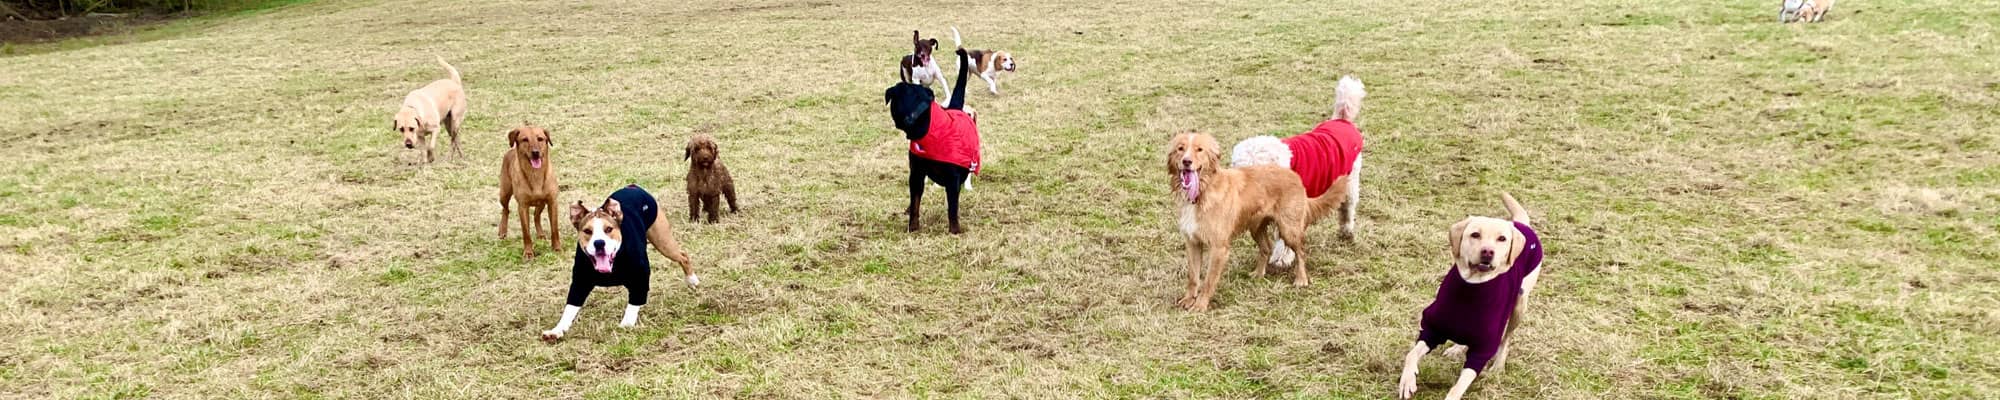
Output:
[[438, 105], [1216, 205], [919, 67], [611, 251], [528, 177], [1326, 157]]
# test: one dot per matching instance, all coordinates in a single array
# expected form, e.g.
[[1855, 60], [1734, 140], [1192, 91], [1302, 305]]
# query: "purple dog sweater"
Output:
[[1476, 315]]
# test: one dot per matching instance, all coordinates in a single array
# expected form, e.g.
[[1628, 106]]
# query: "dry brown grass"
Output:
[[1733, 208]]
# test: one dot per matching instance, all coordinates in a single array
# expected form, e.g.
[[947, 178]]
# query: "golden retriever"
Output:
[[1216, 205]]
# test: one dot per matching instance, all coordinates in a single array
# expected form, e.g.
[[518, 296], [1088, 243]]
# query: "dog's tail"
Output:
[[1347, 98], [1514, 208], [450, 69], [955, 41]]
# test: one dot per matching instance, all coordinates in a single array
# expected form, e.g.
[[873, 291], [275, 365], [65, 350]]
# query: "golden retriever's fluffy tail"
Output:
[[1514, 208], [1328, 203], [1347, 98], [450, 69]]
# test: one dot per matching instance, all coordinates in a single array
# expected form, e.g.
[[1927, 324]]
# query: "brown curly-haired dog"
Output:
[[708, 182]]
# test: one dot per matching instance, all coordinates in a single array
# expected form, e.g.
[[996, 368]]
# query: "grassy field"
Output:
[[1733, 208]]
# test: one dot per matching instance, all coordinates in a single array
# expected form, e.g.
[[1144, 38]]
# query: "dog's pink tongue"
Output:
[[537, 163], [1190, 184], [603, 263]]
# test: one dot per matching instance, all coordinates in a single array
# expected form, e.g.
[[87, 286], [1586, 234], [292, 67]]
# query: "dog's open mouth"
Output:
[[535, 160], [1483, 267], [1191, 184], [602, 261]]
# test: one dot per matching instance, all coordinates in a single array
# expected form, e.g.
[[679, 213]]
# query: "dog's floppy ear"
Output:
[[1457, 235], [687, 152], [1519, 241], [576, 213], [934, 44], [549, 137], [611, 208], [513, 137]]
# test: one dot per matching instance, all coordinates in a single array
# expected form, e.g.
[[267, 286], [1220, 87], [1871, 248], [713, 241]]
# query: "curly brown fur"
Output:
[[1217, 205], [708, 181]]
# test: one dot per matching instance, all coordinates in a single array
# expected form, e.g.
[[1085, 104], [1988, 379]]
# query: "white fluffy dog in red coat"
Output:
[[1327, 159]]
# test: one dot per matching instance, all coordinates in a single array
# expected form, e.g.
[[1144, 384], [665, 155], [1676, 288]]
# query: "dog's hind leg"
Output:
[[451, 123], [1507, 337], [1263, 238], [1295, 232], [661, 235], [951, 204], [729, 192], [555, 234], [1347, 208], [506, 192]]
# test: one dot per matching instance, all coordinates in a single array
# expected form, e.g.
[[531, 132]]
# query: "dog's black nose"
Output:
[[409, 145], [600, 246], [1486, 255]]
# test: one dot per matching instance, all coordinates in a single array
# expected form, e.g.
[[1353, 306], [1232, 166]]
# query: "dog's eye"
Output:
[[1502, 238], [1475, 235]]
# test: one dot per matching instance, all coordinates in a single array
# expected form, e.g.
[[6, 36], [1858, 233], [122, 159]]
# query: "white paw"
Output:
[[694, 280], [552, 335], [627, 324], [1456, 350], [1407, 386], [1282, 257]]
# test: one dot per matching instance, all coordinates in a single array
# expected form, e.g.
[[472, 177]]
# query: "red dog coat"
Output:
[[1321, 155], [953, 139]]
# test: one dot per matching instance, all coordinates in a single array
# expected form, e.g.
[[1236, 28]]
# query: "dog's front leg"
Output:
[[991, 86], [713, 203], [631, 316], [1193, 275], [568, 317], [430, 146], [1407, 386], [1218, 260], [916, 196], [1465, 377], [695, 207], [527, 240]]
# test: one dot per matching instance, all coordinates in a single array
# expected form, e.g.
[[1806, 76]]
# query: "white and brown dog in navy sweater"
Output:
[[607, 256]]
